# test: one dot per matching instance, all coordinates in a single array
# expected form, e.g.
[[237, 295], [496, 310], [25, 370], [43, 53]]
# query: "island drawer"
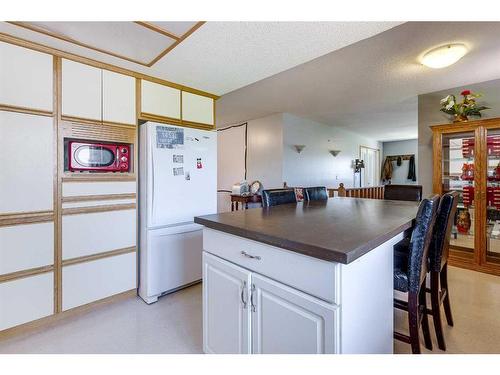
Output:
[[313, 276]]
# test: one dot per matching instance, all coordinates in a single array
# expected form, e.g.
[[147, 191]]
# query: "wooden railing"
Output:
[[371, 192]]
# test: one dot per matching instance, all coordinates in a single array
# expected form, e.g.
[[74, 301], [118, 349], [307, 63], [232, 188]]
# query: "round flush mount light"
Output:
[[444, 56]]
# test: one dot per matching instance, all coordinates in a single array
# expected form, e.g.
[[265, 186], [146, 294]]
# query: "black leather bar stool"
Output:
[[403, 192], [317, 193], [274, 197], [438, 263], [410, 275]]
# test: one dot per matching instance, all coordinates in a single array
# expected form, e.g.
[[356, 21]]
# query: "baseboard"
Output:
[[52, 320]]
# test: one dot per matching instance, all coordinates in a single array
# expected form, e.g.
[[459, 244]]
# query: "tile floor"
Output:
[[174, 324]]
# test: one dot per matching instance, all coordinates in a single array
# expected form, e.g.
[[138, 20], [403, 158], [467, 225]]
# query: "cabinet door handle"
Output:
[[244, 300], [245, 254], [252, 290]]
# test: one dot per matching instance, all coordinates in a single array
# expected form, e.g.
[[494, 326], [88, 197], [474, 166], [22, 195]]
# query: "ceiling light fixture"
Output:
[[444, 56]]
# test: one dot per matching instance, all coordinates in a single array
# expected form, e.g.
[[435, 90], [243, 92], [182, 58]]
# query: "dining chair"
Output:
[[410, 276], [403, 192], [317, 193], [438, 263], [275, 197]]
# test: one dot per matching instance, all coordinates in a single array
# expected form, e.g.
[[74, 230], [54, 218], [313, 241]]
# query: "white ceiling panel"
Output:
[[122, 38], [178, 28]]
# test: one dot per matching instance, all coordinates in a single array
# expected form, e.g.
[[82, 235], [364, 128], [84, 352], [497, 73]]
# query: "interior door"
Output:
[[371, 172], [183, 174], [226, 310], [286, 321]]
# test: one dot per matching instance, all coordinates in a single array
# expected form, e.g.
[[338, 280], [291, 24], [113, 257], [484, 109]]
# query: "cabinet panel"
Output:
[[197, 108], [91, 281], [26, 246], [27, 162], [26, 299], [226, 319], [87, 234], [81, 90], [287, 321], [160, 100], [26, 77], [118, 102], [71, 189]]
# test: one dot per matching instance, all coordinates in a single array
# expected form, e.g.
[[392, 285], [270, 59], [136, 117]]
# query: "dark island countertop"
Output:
[[338, 230]]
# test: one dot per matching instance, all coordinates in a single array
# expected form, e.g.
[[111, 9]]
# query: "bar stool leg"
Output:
[[436, 309], [425, 320], [413, 323], [446, 301]]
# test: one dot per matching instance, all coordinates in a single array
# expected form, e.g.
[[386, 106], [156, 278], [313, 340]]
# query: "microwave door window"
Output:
[[94, 156]]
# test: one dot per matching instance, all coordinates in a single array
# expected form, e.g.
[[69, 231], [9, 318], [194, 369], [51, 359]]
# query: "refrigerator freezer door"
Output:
[[174, 259], [183, 178]]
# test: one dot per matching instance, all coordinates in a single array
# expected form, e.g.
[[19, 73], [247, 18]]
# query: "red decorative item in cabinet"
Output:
[[493, 196], [468, 172], [468, 196], [493, 144], [468, 147]]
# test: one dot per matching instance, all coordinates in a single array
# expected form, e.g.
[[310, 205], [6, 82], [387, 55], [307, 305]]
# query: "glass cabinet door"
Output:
[[458, 155], [492, 196]]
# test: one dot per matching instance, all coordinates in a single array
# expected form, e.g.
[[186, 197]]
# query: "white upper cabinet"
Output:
[[197, 108], [26, 78], [81, 90], [118, 98], [160, 100]]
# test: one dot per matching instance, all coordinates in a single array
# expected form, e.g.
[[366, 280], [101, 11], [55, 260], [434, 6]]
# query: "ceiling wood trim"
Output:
[[152, 27], [182, 38]]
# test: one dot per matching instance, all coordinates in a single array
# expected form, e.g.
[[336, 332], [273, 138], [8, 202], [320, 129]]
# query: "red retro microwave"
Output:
[[98, 157]]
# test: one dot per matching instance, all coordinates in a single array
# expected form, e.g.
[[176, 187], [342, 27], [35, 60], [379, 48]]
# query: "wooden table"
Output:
[[244, 200]]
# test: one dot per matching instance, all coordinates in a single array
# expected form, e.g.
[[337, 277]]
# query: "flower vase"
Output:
[[460, 118]]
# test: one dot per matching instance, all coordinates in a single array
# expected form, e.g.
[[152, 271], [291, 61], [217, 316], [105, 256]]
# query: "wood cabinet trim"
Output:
[[25, 273], [26, 110], [21, 218], [87, 177], [97, 209], [98, 197], [100, 255]]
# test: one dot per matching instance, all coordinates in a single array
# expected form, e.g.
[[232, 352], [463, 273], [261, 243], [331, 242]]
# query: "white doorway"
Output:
[[370, 174]]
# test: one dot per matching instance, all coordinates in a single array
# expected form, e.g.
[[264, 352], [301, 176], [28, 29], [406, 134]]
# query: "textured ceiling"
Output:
[[219, 57], [370, 87]]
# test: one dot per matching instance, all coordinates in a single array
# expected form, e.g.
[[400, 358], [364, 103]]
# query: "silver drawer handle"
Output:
[[244, 253]]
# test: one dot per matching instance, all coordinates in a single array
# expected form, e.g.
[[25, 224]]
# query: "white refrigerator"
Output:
[[177, 181]]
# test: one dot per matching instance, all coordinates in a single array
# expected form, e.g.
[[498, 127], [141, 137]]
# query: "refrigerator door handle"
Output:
[[184, 232], [152, 179]]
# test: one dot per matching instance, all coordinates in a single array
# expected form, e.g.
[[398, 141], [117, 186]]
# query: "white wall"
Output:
[[405, 147], [264, 156], [315, 165]]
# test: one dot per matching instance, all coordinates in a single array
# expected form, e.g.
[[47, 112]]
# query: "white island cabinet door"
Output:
[[118, 98], [286, 321], [226, 311], [81, 91]]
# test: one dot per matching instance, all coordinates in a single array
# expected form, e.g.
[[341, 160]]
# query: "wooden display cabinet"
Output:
[[467, 160]]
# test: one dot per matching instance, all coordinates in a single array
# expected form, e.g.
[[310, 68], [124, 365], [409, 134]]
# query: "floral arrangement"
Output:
[[461, 111]]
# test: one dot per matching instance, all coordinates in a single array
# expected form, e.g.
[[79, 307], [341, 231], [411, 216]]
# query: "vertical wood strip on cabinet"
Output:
[[58, 165], [480, 195]]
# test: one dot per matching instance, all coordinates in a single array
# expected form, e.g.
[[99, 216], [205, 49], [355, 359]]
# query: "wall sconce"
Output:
[[334, 152], [299, 148]]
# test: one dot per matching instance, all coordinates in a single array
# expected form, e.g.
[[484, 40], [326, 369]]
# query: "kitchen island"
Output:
[[312, 277]]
